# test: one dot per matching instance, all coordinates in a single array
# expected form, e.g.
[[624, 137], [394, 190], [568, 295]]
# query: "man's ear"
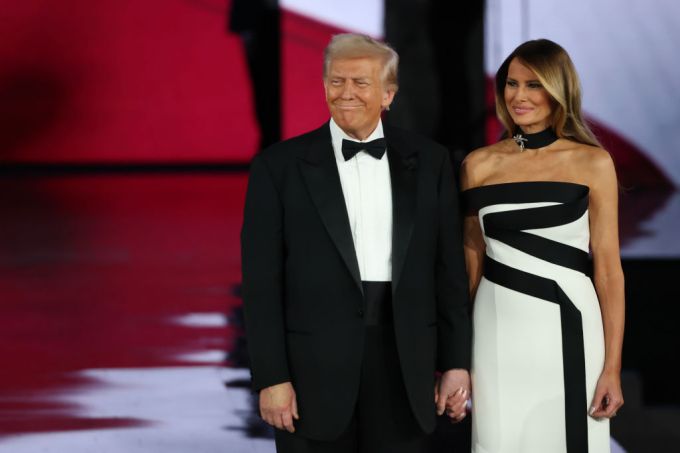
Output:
[[388, 97]]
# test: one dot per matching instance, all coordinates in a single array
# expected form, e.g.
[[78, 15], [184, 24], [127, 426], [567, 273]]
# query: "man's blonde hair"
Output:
[[353, 45]]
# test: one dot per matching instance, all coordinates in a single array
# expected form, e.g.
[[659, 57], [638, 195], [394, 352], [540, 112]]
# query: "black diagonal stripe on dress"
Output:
[[506, 226], [544, 248], [540, 217], [573, 354], [523, 192]]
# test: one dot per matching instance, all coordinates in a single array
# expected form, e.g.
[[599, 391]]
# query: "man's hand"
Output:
[[278, 406], [451, 394]]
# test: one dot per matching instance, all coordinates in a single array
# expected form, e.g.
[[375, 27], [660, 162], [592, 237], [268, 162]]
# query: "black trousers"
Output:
[[383, 421]]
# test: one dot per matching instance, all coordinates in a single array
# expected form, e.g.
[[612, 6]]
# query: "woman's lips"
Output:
[[522, 110]]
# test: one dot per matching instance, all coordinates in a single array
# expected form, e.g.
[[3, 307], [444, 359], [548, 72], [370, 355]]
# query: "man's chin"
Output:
[[346, 125]]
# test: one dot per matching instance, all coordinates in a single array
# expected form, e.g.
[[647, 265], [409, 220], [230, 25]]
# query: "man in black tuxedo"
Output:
[[354, 281]]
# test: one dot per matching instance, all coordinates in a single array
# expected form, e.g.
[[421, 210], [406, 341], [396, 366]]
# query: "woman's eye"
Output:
[[511, 83], [535, 85]]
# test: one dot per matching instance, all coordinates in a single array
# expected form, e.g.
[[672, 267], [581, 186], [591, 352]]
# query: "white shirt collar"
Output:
[[337, 136]]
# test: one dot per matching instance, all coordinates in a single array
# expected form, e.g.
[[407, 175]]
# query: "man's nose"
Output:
[[347, 91]]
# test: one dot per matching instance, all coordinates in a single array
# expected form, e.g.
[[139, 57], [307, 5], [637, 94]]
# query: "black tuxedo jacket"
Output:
[[301, 286]]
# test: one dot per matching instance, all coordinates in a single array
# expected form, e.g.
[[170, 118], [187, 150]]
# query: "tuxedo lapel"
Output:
[[403, 162], [320, 173]]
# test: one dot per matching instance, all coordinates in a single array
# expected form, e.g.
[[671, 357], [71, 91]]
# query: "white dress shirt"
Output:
[[367, 188]]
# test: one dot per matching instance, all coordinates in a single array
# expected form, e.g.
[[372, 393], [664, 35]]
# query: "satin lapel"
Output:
[[320, 173], [403, 166]]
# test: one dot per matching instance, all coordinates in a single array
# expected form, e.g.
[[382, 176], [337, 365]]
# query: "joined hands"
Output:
[[451, 393]]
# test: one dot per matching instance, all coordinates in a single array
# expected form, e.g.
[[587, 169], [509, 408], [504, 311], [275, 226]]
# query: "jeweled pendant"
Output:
[[520, 141]]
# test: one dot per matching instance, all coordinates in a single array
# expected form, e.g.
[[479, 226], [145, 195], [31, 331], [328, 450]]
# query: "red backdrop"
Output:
[[141, 81]]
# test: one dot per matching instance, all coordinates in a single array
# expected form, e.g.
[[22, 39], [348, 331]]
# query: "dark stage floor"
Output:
[[120, 323]]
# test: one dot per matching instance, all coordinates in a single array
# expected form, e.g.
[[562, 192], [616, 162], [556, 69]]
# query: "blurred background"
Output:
[[126, 130]]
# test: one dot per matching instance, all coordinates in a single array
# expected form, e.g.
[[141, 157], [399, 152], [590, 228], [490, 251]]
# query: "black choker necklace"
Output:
[[534, 141]]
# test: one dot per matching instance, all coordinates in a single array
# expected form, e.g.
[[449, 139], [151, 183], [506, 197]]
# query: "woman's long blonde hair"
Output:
[[556, 72]]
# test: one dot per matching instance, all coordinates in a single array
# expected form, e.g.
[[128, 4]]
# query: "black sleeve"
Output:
[[262, 255], [453, 307]]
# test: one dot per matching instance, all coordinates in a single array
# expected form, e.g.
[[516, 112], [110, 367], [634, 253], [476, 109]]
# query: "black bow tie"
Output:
[[375, 148]]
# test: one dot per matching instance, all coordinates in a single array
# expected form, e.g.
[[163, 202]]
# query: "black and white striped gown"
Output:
[[538, 346]]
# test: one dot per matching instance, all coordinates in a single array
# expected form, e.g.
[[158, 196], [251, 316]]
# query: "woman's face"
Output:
[[527, 101]]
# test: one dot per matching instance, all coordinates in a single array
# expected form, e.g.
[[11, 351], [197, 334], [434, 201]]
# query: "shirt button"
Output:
[[360, 312]]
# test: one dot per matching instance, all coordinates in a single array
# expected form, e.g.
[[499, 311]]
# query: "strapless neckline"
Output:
[[514, 183]]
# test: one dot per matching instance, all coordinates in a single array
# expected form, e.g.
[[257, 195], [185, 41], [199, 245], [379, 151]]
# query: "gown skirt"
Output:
[[538, 344]]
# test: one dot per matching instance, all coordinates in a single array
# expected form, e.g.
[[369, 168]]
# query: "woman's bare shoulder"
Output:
[[593, 163], [479, 163], [592, 158]]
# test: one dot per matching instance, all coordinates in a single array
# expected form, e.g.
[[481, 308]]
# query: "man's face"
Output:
[[356, 95]]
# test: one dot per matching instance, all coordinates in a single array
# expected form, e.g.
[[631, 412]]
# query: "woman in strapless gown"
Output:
[[547, 342]]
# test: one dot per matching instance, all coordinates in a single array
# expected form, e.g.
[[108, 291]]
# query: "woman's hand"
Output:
[[608, 396]]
